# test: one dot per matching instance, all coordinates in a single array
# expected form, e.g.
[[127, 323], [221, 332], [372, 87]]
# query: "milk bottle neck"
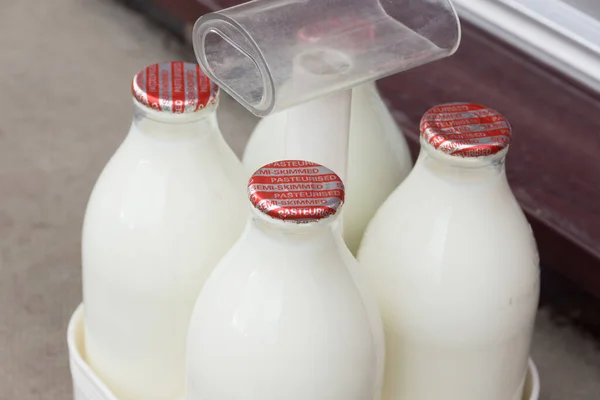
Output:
[[165, 125], [468, 170], [290, 232]]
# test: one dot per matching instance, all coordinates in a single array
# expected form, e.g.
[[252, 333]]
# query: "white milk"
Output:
[[377, 148], [454, 265], [286, 314], [165, 209]]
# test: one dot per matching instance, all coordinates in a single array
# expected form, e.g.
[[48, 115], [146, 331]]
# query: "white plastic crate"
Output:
[[87, 385]]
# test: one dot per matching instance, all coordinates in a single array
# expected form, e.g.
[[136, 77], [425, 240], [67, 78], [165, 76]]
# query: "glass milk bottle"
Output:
[[377, 147], [454, 265], [286, 314], [165, 209]]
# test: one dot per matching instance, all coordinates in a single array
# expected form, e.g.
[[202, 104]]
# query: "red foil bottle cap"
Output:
[[466, 130], [296, 191], [174, 87]]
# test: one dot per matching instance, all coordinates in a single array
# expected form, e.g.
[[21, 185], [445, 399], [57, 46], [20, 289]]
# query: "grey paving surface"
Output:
[[64, 108]]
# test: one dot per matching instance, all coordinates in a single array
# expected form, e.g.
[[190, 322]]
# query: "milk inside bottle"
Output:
[[454, 265], [377, 147], [165, 209], [287, 314]]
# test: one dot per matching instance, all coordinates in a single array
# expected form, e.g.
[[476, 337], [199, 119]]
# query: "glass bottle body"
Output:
[[455, 268], [286, 314], [167, 206]]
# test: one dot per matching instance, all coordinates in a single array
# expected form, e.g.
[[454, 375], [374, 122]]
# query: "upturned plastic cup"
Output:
[[253, 50]]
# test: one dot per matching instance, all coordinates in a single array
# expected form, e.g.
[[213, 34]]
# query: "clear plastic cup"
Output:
[[254, 53]]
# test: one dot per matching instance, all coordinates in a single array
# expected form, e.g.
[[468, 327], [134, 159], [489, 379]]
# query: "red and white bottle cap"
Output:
[[296, 191], [174, 87], [466, 130]]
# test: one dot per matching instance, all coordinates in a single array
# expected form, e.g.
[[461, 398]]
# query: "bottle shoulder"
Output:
[[310, 284], [147, 187], [444, 221], [202, 154], [284, 256]]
